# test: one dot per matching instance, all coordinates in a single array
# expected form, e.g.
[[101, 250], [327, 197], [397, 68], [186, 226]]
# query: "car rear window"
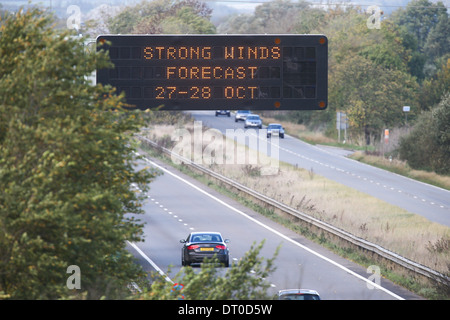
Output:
[[299, 297], [206, 237]]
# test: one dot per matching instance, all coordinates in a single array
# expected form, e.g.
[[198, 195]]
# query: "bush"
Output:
[[427, 147]]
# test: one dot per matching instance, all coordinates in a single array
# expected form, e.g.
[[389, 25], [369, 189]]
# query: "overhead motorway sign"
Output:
[[209, 72]]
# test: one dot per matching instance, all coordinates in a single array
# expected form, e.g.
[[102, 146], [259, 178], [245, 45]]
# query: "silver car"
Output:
[[275, 129], [241, 115], [253, 120], [297, 294]]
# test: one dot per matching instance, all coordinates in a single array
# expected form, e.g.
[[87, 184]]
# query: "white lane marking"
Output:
[[168, 211], [154, 265], [373, 284]]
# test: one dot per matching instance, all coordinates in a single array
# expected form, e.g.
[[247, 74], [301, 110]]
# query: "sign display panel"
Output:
[[209, 72]]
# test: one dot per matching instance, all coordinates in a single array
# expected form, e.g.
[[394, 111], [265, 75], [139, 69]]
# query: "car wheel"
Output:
[[282, 136], [268, 136], [183, 260]]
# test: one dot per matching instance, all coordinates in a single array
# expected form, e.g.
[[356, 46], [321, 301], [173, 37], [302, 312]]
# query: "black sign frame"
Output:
[[210, 72]]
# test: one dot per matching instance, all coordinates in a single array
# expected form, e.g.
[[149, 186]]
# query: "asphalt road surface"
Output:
[[416, 197], [177, 205]]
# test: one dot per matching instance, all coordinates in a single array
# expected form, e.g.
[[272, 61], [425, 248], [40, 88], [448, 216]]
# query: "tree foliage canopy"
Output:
[[373, 72], [432, 134], [428, 24], [160, 16], [66, 167]]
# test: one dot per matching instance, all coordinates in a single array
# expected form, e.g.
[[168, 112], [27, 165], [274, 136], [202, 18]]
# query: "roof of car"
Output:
[[203, 232], [297, 291]]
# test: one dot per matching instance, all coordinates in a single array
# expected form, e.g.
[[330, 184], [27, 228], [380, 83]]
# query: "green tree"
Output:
[[420, 18], [243, 281], [66, 167], [160, 16], [280, 16], [427, 146], [438, 40], [187, 21], [386, 47], [433, 89], [428, 23], [368, 74], [372, 96]]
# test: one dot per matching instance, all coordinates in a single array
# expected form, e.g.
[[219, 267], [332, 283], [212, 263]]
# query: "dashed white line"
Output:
[[169, 212]]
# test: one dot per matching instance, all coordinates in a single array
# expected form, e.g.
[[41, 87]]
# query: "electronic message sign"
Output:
[[209, 72]]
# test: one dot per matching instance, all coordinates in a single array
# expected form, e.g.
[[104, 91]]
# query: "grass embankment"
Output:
[[391, 227], [402, 168]]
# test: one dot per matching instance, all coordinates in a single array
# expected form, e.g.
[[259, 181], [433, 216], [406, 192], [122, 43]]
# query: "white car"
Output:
[[275, 129], [253, 120], [298, 294], [241, 115]]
